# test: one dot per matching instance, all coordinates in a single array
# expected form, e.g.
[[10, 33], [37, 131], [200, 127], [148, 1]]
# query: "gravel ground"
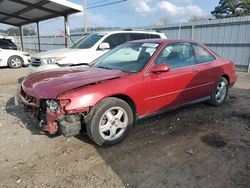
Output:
[[197, 146]]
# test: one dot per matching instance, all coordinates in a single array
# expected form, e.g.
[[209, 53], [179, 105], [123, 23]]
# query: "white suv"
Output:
[[87, 49]]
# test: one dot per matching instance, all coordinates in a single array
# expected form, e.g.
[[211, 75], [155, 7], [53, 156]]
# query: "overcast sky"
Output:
[[132, 13]]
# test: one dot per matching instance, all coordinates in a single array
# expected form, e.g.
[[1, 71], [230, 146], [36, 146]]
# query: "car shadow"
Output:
[[168, 151]]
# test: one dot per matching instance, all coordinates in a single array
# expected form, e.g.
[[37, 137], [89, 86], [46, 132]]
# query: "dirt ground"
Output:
[[197, 146], [10, 76]]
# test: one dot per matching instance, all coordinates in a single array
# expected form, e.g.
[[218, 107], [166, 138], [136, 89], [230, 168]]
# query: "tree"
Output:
[[232, 8]]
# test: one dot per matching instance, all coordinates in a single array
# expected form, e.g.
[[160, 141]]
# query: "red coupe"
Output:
[[134, 80]]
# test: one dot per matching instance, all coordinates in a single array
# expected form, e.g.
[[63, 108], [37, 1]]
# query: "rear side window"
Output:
[[177, 55], [3, 43], [136, 36], [202, 55], [116, 39], [152, 36]]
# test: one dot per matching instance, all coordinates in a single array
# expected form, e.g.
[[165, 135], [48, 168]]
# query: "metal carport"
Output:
[[22, 12]]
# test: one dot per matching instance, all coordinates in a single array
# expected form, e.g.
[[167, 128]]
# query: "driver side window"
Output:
[[116, 39], [176, 55]]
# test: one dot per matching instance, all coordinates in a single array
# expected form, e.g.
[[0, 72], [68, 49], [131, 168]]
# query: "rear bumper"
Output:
[[27, 60], [233, 79]]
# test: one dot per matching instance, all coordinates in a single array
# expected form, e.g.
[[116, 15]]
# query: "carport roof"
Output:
[[21, 12]]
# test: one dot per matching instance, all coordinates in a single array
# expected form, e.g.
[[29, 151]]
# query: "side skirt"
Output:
[[173, 108]]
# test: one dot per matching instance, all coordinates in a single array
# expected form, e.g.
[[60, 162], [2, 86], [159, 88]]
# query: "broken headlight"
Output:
[[53, 105]]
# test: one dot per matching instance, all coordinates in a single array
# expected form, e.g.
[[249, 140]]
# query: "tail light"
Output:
[[13, 46]]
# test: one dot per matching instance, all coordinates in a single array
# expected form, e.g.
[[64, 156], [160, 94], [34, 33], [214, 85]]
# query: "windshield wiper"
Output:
[[128, 71], [102, 67], [74, 65]]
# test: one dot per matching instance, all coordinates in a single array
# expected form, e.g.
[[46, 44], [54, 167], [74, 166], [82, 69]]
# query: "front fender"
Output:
[[81, 99], [82, 103]]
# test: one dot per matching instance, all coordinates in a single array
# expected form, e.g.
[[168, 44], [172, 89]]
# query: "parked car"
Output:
[[7, 44], [14, 58], [133, 81], [87, 49]]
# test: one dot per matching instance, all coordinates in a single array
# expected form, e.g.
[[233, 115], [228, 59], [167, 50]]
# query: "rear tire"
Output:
[[219, 95], [109, 122], [15, 62]]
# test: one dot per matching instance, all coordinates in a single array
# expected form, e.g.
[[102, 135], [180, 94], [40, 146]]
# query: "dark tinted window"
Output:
[[152, 36], [177, 55], [89, 41], [116, 39], [136, 36], [202, 55], [3, 43]]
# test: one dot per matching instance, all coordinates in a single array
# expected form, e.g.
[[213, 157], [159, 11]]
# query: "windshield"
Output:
[[78, 42], [129, 57], [88, 41]]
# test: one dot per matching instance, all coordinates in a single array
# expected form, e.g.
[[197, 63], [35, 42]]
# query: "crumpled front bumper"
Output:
[[47, 124], [51, 121]]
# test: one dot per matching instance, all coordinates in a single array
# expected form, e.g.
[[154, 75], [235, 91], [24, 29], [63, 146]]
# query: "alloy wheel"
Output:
[[16, 62], [221, 91], [113, 123]]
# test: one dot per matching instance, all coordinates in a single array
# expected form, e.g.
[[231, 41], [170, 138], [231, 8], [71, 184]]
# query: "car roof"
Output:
[[6, 40], [165, 41], [128, 31]]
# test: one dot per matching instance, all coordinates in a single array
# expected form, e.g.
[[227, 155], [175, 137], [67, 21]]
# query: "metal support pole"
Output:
[[180, 30], [192, 37], [38, 36], [21, 37], [85, 16], [66, 30], [248, 70]]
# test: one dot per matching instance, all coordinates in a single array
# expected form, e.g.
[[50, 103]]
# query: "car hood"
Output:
[[56, 53], [50, 84]]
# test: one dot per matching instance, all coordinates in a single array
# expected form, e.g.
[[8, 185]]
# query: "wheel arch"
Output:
[[128, 100], [226, 77]]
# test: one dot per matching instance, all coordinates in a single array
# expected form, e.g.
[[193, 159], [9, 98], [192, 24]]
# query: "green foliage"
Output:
[[232, 8]]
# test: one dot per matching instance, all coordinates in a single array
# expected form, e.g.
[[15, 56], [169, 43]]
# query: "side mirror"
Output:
[[160, 68], [104, 46]]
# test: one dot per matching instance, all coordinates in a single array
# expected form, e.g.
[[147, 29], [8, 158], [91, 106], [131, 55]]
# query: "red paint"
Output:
[[50, 84], [85, 87]]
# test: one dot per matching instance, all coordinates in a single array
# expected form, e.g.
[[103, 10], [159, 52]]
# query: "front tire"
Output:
[[15, 62], [109, 122], [219, 95]]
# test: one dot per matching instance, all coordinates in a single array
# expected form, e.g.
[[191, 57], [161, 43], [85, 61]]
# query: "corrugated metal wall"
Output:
[[230, 37]]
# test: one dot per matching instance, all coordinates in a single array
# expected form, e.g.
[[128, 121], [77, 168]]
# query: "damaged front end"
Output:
[[52, 115]]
